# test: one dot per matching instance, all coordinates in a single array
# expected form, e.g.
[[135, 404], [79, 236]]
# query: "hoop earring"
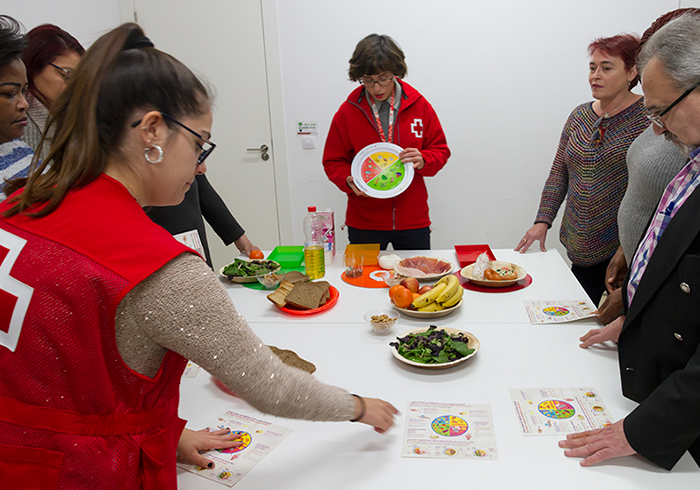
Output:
[[147, 151]]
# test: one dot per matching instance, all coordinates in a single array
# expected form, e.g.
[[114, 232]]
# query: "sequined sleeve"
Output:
[[184, 307]]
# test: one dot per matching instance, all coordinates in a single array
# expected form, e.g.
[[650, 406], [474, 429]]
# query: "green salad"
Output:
[[433, 346], [250, 268]]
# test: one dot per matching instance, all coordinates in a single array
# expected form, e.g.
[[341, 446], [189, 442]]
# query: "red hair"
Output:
[[623, 46], [46, 43]]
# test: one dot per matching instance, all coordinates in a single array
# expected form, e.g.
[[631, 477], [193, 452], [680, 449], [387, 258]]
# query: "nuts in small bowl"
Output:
[[270, 280], [381, 321]]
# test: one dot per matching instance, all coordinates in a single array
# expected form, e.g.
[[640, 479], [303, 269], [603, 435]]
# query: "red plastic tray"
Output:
[[467, 254], [329, 304]]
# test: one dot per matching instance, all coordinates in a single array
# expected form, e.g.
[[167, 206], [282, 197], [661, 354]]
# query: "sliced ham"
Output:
[[422, 266]]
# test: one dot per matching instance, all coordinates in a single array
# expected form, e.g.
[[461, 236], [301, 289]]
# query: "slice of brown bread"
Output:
[[292, 358], [307, 295], [295, 277]]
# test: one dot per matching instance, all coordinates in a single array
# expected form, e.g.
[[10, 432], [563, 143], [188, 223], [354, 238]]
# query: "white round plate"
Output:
[[245, 279], [428, 277], [377, 171], [472, 344], [429, 314]]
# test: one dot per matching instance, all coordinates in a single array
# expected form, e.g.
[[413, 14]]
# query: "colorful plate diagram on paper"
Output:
[[556, 409], [450, 426], [244, 437], [378, 171]]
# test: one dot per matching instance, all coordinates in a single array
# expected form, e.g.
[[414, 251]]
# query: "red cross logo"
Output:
[[417, 128], [14, 295]]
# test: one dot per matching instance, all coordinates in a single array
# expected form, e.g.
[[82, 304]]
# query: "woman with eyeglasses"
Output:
[[50, 58], [384, 108], [589, 168], [108, 305]]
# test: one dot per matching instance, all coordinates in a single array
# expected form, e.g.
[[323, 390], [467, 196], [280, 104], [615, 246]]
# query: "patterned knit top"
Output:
[[592, 176]]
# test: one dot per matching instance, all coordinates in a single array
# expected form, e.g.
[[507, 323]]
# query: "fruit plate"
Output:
[[378, 172], [429, 314], [411, 267], [329, 304], [472, 344], [245, 279], [495, 264]]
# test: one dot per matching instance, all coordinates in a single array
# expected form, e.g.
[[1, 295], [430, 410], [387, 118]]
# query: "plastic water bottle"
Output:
[[314, 256]]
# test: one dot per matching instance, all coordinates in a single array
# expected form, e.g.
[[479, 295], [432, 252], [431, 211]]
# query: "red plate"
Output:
[[329, 304], [467, 254]]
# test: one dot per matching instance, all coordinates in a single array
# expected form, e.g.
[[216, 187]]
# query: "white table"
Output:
[[514, 354]]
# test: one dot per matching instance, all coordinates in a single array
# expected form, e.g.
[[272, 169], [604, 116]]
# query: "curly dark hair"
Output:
[[12, 40], [376, 54]]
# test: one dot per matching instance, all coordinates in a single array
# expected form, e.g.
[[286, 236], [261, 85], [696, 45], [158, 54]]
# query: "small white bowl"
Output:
[[270, 280], [392, 278], [382, 328]]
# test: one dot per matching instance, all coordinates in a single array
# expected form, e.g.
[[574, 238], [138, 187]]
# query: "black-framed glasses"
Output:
[[657, 119], [382, 82], [65, 72], [206, 146]]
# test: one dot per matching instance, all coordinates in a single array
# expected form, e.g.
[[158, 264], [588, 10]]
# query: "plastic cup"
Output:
[[353, 264]]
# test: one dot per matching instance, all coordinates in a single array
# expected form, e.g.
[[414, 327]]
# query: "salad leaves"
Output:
[[249, 268], [432, 346]]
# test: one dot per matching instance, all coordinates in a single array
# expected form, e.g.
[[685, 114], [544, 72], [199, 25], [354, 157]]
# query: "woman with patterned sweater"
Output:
[[589, 169]]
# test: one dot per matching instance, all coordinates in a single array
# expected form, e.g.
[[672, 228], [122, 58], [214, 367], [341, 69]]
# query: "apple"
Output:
[[410, 283], [424, 289]]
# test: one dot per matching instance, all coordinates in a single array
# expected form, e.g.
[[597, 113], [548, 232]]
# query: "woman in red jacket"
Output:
[[385, 109]]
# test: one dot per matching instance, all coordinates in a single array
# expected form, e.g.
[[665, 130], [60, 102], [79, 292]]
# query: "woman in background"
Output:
[[50, 58], [15, 155], [589, 169], [385, 109]]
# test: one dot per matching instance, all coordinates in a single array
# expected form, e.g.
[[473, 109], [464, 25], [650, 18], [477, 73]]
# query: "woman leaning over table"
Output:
[[385, 109], [101, 331], [589, 169], [15, 155], [50, 58]]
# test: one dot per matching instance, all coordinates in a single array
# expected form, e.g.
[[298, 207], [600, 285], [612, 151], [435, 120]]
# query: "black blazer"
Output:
[[659, 345]]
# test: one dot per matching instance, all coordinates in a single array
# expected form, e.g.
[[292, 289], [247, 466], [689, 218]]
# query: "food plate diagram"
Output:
[[378, 171]]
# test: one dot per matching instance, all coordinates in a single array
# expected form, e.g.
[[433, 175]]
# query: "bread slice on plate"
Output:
[[308, 295], [278, 295]]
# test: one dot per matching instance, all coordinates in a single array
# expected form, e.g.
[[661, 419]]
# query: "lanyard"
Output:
[[391, 118]]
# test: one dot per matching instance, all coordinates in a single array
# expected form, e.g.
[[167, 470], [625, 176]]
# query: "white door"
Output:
[[223, 42]]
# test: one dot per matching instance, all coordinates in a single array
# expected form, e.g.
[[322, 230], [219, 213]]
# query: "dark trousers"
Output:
[[418, 239], [592, 279]]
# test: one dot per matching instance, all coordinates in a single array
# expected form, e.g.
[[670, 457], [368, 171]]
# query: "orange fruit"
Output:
[[415, 295], [393, 289], [403, 297], [256, 254]]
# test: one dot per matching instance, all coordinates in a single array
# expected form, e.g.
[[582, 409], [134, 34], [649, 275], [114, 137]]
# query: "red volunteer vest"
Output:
[[72, 414]]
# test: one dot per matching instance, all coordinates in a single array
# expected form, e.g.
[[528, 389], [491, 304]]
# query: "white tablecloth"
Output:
[[514, 354]]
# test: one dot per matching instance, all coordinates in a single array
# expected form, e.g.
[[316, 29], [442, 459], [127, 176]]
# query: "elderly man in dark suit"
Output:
[[659, 336]]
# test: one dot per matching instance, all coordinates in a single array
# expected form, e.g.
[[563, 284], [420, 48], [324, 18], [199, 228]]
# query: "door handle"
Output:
[[263, 150]]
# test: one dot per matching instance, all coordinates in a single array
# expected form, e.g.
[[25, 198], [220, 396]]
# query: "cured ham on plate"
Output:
[[424, 268]]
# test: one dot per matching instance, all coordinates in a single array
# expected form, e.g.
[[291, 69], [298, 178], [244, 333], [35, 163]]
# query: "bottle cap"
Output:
[[311, 209]]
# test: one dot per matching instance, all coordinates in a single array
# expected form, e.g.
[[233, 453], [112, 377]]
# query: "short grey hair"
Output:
[[677, 46]]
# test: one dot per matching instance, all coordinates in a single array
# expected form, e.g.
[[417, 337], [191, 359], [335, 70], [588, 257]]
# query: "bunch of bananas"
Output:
[[446, 293]]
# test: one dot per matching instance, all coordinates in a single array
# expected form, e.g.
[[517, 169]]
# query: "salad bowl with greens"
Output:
[[245, 270], [435, 347]]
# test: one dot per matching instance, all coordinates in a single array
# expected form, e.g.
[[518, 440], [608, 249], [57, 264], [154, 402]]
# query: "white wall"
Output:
[[86, 20], [502, 76]]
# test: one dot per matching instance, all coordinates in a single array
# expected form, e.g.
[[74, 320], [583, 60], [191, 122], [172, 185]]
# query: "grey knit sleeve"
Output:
[[183, 307]]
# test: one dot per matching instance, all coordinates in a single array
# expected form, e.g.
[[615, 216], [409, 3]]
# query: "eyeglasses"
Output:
[[207, 146], [657, 119], [64, 72], [383, 82]]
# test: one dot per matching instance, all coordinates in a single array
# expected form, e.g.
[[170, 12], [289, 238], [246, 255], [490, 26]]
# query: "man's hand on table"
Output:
[[611, 307], [610, 332], [598, 445]]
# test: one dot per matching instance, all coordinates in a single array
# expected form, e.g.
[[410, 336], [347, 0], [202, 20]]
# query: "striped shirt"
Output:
[[592, 176], [15, 157], [677, 192]]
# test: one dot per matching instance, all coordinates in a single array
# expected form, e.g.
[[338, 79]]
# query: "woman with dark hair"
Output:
[[109, 306], [15, 155], [50, 58], [384, 108], [589, 169]]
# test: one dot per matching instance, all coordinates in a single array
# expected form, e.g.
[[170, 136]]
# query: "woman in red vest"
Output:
[[100, 307]]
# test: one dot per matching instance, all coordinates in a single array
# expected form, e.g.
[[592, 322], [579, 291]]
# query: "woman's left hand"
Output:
[[192, 442], [412, 155]]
